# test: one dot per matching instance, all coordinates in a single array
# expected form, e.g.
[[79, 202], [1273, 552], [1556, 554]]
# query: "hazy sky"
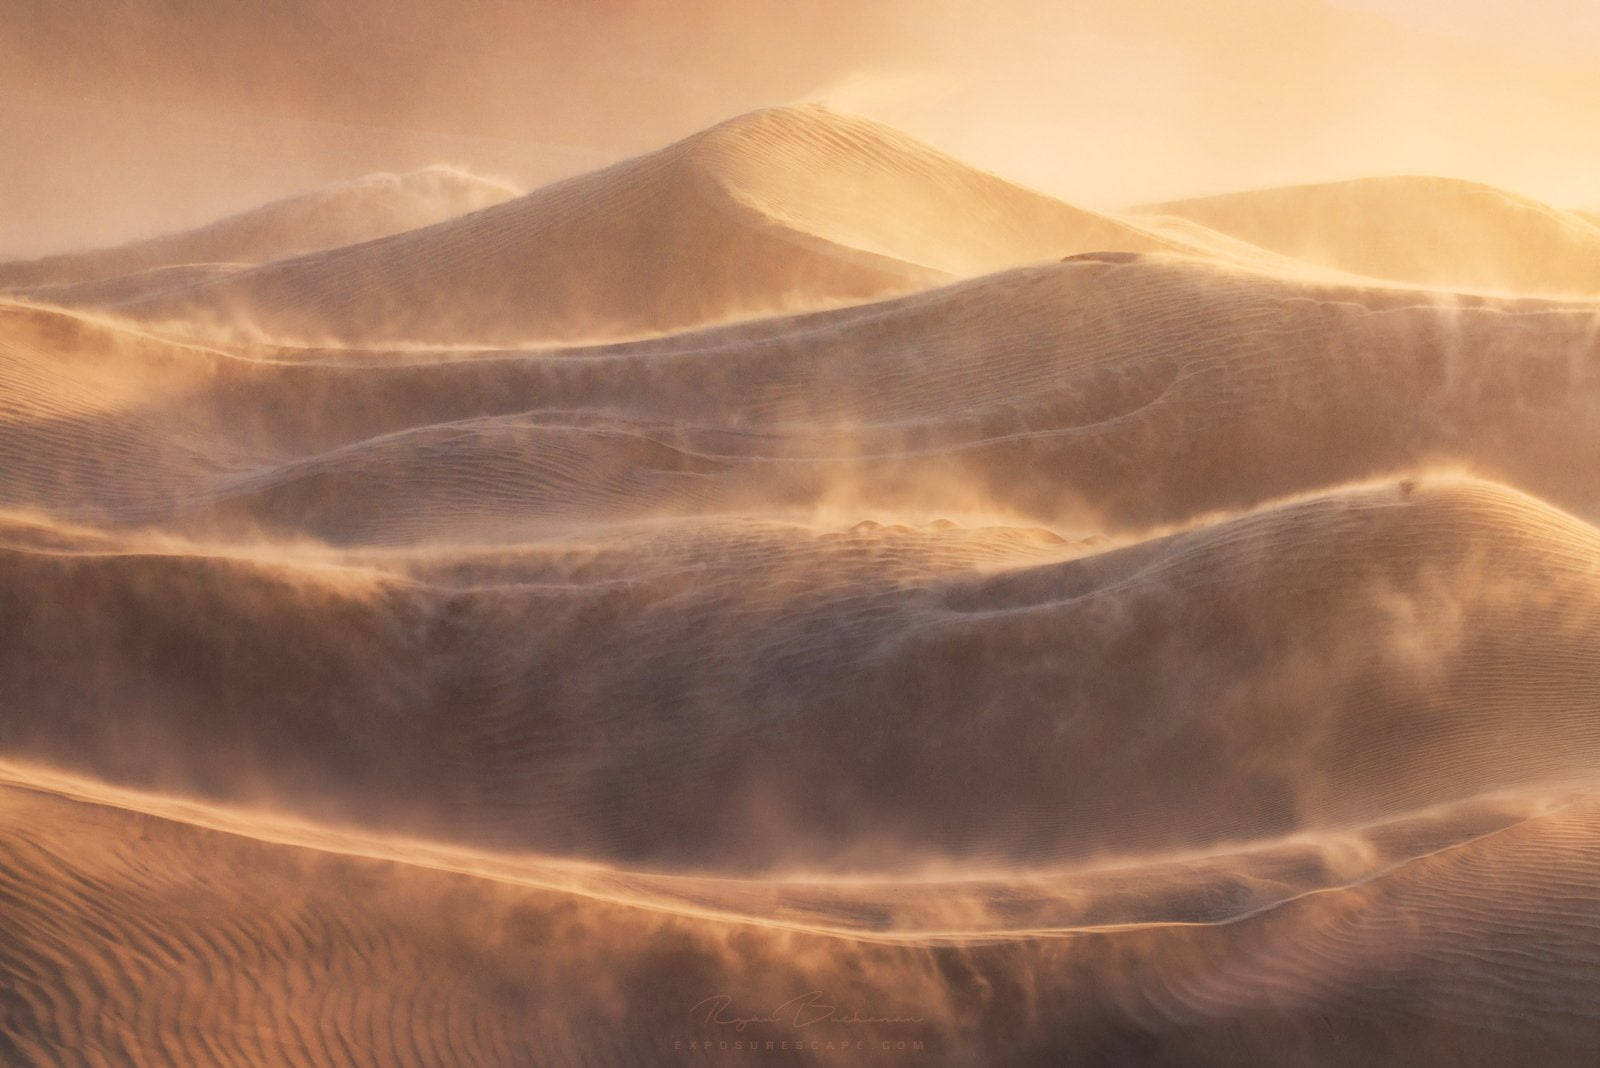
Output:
[[126, 119], [1572, 24], [1138, 100]]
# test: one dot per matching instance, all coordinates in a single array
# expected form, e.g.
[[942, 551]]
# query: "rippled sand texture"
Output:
[[856, 605], [783, 209], [1433, 231]]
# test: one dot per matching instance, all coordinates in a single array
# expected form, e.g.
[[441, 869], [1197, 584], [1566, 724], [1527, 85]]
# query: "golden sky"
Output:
[[126, 120]]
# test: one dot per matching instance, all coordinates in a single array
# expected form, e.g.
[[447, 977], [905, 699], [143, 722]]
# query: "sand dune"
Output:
[[1051, 395], [1042, 636], [1404, 938], [150, 283], [778, 210], [1136, 690], [342, 214], [1431, 231]]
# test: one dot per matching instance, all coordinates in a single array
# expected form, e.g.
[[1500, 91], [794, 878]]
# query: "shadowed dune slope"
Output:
[[342, 214], [781, 209], [1089, 394], [736, 694], [1430, 231], [147, 939]]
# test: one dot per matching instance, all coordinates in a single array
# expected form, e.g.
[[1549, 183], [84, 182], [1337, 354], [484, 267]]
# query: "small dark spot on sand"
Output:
[[1102, 257]]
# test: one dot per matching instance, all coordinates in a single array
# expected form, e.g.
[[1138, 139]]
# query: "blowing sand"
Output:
[[796, 597]]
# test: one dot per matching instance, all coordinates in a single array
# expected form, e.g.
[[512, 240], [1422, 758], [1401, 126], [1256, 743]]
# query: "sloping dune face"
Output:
[[1430, 231], [630, 720], [1075, 642], [1106, 395], [369, 207], [783, 209]]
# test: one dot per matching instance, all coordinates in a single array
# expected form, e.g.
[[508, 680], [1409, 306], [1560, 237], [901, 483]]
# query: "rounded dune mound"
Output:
[[1323, 663], [340, 214], [872, 187], [119, 289], [782, 209], [130, 918], [1106, 395], [1428, 231]]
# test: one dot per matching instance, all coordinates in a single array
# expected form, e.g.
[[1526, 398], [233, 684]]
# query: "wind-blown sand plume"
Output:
[[148, 937], [782, 209], [1131, 699], [1052, 394], [1097, 642], [342, 214], [1432, 231]]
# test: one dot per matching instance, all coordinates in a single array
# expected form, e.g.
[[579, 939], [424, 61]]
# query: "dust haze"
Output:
[[633, 532]]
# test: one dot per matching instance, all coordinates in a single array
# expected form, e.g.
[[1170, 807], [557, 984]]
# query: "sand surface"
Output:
[[779, 210], [1432, 231], [341, 214], [794, 597]]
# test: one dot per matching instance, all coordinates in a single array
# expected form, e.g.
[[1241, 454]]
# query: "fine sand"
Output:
[[796, 598], [779, 210], [370, 207], [1431, 231]]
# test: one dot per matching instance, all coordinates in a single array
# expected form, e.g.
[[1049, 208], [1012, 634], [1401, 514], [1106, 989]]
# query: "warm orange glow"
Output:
[[932, 535]]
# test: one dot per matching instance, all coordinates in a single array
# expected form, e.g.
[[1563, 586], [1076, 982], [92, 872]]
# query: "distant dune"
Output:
[[783, 209], [341, 214], [1431, 231], [1103, 395], [795, 573]]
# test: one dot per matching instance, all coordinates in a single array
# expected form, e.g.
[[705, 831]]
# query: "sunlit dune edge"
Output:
[[1426, 230], [926, 905], [340, 214]]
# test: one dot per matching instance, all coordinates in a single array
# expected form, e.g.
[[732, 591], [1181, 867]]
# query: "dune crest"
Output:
[[1047, 395], [120, 916], [1099, 666], [784, 209], [358, 210], [1429, 231]]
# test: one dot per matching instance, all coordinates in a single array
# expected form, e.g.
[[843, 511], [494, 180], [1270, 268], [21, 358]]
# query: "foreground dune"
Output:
[[147, 936], [342, 214], [1431, 231], [782, 209]]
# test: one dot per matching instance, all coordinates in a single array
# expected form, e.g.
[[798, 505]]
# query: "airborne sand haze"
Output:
[[794, 585]]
